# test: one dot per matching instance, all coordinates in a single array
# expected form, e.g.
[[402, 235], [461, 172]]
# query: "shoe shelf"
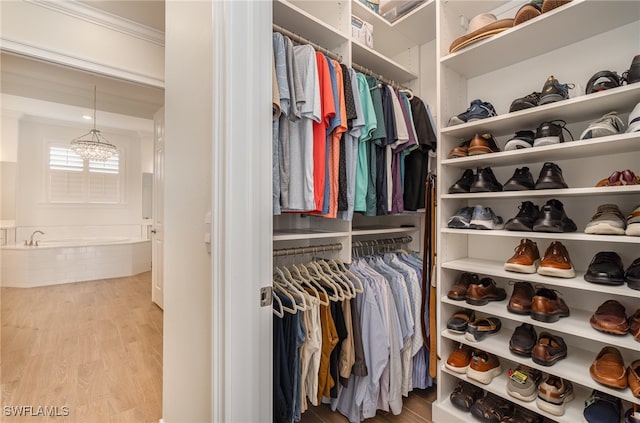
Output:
[[573, 236], [614, 144], [371, 59], [576, 324], [498, 386], [563, 192], [496, 269], [575, 367], [560, 27], [577, 109]]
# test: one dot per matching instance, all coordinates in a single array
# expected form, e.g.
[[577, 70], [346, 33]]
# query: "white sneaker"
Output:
[[609, 124]]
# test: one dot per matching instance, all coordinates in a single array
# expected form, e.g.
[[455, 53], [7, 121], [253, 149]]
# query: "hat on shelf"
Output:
[[480, 26]]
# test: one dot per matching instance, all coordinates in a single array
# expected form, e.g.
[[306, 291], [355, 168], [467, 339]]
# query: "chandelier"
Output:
[[92, 145]]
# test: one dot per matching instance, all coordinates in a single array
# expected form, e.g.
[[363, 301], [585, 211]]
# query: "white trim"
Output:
[[105, 19], [30, 50]]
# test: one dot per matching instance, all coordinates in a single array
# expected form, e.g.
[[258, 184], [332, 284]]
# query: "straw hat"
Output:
[[481, 26]]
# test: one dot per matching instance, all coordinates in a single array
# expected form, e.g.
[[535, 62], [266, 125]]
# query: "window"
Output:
[[74, 180]]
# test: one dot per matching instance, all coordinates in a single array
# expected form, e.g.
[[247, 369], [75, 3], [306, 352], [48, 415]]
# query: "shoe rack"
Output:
[[572, 43]]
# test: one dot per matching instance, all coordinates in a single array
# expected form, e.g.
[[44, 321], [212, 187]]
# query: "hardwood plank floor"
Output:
[[94, 347], [416, 409]]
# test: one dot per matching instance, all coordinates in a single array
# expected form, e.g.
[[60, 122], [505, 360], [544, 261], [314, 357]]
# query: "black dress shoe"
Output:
[[550, 177], [605, 269], [525, 218], [632, 275], [485, 181], [463, 184], [523, 340], [553, 219], [521, 180]]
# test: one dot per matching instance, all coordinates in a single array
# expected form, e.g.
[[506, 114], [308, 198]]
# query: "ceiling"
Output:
[[52, 84]]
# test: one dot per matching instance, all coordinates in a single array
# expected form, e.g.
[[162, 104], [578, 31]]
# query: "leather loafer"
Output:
[[521, 298], [480, 328], [632, 275], [633, 378], [610, 317], [461, 150], [483, 291], [483, 144], [634, 325], [549, 349], [608, 368], [523, 340], [491, 408], [464, 395], [460, 320], [458, 291], [547, 306], [605, 269]]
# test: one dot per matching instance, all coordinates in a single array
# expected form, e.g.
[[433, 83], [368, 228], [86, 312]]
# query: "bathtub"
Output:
[[55, 262]]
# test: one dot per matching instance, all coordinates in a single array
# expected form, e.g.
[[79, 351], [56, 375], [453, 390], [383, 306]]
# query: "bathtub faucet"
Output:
[[31, 244]]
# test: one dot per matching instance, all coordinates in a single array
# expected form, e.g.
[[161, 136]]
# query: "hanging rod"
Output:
[[380, 242], [379, 77], [302, 40], [306, 250]]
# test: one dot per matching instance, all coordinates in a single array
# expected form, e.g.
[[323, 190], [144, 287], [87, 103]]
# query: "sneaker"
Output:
[[525, 259], [522, 139], [608, 220], [483, 144], [521, 180], [602, 81], [526, 102], [525, 218], [556, 262], [634, 120], [553, 394], [478, 109], [483, 367], [602, 408], [461, 219], [633, 74], [609, 124], [527, 12], [485, 181], [554, 219], [553, 91], [485, 218], [459, 359], [633, 223], [549, 133], [463, 184], [523, 383], [550, 177]]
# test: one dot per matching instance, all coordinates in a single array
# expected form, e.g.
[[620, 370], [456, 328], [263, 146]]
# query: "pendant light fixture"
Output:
[[92, 145]]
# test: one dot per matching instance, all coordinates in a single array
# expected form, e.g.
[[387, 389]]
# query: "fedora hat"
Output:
[[480, 26]]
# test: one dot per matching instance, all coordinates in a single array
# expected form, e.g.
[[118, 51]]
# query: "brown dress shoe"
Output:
[[461, 150], [480, 293], [458, 291], [556, 262], [610, 317], [547, 306], [483, 144], [634, 378], [634, 325], [526, 258], [483, 367], [608, 368], [548, 349], [459, 359], [521, 298], [549, 5]]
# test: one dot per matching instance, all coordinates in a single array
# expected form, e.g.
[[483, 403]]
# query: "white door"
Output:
[[157, 233]]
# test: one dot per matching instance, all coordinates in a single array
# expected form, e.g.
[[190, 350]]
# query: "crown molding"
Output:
[[99, 17]]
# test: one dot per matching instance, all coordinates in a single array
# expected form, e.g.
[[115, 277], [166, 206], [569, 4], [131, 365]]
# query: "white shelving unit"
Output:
[[499, 69]]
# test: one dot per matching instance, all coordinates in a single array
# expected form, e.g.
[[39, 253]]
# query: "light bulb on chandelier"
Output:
[[92, 145]]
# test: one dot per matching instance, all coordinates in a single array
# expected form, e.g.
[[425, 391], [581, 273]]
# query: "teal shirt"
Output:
[[370, 125]]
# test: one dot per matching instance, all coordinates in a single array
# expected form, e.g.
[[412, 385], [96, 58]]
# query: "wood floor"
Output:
[[416, 409], [94, 347]]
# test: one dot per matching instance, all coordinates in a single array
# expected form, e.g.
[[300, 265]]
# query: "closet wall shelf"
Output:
[[297, 20], [613, 144], [571, 368], [498, 386], [364, 56], [374, 230], [574, 236], [495, 269], [410, 30], [549, 31], [576, 324], [302, 234], [565, 192]]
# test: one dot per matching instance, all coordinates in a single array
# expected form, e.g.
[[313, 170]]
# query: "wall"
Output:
[[8, 159]]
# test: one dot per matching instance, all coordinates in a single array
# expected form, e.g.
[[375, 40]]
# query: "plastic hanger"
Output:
[[313, 271], [288, 286], [277, 300], [305, 271], [360, 288], [277, 287], [296, 284], [312, 285], [337, 277]]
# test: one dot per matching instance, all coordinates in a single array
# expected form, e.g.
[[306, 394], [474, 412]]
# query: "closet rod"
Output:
[[379, 77], [306, 250], [385, 241], [297, 38]]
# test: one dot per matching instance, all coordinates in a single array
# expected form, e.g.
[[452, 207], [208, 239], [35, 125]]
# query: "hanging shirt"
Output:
[[370, 126], [417, 162], [383, 153], [284, 96], [378, 136]]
